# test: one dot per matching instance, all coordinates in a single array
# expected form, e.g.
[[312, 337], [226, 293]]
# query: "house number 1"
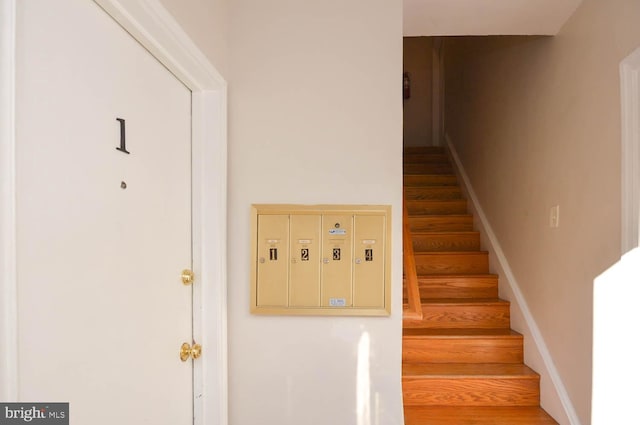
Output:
[[123, 140]]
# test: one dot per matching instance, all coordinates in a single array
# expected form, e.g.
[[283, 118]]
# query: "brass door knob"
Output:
[[186, 350], [187, 277]]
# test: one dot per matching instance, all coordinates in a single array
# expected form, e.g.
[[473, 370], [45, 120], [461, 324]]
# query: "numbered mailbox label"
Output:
[[336, 254], [304, 254], [368, 254]]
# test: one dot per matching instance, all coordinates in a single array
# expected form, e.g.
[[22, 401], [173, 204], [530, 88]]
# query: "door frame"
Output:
[[155, 28], [630, 98]]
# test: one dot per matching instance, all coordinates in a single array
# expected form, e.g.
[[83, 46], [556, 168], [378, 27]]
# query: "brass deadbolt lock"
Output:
[[187, 350], [187, 277]]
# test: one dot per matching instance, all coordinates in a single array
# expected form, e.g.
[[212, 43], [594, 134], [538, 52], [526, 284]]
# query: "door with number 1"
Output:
[[104, 220]]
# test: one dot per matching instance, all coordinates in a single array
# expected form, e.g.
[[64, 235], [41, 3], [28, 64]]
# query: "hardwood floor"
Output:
[[462, 364]]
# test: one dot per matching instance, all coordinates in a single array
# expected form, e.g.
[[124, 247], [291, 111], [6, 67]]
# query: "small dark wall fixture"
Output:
[[406, 86]]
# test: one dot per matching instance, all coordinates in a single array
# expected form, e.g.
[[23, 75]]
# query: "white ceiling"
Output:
[[486, 17]]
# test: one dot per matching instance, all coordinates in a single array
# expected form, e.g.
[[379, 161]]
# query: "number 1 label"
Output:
[[123, 140]]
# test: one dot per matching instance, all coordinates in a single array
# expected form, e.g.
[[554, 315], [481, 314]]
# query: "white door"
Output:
[[102, 235]]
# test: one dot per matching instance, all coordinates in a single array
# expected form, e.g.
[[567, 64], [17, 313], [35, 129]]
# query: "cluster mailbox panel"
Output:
[[320, 260]]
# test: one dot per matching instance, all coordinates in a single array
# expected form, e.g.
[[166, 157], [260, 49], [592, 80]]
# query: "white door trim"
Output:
[[630, 97], [8, 282], [153, 27]]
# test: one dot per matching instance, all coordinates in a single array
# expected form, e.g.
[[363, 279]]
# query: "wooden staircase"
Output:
[[461, 362]]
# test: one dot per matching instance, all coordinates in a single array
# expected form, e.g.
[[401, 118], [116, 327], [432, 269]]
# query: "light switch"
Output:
[[336, 276], [554, 216], [304, 271], [369, 261], [273, 259]]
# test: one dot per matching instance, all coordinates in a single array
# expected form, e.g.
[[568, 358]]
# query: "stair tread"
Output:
[[435, 176], [417, 193], [427, 176], [416, 173], [439, 216], [463, 301], [445, 253], [467, 241], [457, 286], [421, 169], [445, 233], [426, 157], [440, 222], [430, 180], [414, 149], [434, 201], [468, 370], [456, 205], [436, 207], [458, 276], [473, 415], [454, 333]]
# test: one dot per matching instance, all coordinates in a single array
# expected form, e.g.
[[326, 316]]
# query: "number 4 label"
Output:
[[368, 254]]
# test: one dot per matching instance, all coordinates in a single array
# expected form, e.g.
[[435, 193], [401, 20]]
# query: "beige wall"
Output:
[[315, 117], [537, 123], [206, 22], [485, 17], [417, 61]]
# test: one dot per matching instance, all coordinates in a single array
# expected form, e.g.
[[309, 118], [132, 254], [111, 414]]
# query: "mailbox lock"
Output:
[[187, 277]]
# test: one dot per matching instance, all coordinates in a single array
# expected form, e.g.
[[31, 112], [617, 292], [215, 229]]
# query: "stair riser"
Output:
[[457, 293], [436, 193], [455, 242], [426, 158], [427, 169], [462, 287], [462, 350], [429, 180], [411, 150], [471, 391], [448, 316], [441, 224], [469, 263], [458, 206]]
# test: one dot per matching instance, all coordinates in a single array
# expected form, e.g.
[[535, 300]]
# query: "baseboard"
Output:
[[554, 396]]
